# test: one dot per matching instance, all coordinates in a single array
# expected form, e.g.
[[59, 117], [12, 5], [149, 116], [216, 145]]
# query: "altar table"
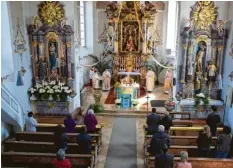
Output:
[[133, 90]]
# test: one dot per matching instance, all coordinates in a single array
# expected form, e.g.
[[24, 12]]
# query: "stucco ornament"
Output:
[[51, 12], [204, 14]]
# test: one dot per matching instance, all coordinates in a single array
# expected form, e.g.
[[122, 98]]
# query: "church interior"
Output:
[[92, 84]]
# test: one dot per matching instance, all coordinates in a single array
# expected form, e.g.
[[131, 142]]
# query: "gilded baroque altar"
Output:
[[50, 39]]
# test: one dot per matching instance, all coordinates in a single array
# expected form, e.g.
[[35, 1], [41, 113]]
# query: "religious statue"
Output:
[[54, 76], [198, 84], [130, 44], [53, 57], [211, 69], [96, 80], [42, 68], [63, 67], [150, 81], [107, 80], [200, 55], [168, 81], [190, 66], [92, 71]]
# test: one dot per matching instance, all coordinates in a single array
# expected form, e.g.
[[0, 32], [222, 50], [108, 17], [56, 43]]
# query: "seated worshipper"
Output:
[[84, 142], [69, 124], [204, 141], [164, 160], [213, 120], [158, 140], [184, 161], [60, 138], [31, 123], [61, 161], [90, 121], [80, 118], [223, 143], [166, 121], [153, 122]]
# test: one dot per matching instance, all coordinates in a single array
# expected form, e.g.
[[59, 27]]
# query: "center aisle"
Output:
[[122, 151]]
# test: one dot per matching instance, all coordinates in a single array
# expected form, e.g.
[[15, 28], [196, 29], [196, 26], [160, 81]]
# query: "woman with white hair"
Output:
[[61, 161], [90, 121], [184, 161]]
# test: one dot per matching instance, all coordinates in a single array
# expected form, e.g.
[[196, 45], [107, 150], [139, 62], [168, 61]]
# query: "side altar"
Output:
[[51, 41]]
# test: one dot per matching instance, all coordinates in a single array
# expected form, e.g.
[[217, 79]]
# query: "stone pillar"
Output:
[[34, 58], [184, 60]]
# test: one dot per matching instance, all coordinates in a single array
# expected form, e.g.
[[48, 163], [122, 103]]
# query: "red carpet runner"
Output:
[[111, 95]]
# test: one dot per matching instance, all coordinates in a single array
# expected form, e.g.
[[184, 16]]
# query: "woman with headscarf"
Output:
[[90, 121]]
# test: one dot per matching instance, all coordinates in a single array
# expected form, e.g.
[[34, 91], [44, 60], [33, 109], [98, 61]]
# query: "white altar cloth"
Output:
[[190, 102], [134, 85]]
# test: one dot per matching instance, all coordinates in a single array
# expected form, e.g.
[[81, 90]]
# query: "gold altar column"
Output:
[[144, 48], [116, 36]]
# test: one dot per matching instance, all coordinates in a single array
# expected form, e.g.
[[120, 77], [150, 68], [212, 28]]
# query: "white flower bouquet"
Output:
[[201, 100]]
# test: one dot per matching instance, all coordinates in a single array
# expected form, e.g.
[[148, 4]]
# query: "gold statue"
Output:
[[211, 73], [200, 55]]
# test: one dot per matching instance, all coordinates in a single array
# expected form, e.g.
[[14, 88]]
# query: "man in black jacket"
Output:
[[164, 160], [213, 120], [153, 122], [166, 121], [158, 141]]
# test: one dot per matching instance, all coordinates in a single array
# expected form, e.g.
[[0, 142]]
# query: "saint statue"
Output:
[[53, 57], [200, 55], [96, 80], [190, 66], [92, 71], [198, 84], [42, 68], [107, 80], [168, 81], [211, 73], [150, 81], [63, 67], [130, 44]]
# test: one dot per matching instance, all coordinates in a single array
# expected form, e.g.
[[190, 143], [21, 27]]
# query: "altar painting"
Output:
[[130, 40]]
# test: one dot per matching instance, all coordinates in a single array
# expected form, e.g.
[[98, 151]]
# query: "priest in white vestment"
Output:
[[96, 80], [150, 81], [107, 79]]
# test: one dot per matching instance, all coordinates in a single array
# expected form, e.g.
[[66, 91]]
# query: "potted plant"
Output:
[[170, 105], [201, 102]]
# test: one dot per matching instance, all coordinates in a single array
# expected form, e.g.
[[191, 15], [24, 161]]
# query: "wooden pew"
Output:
[[39, 160], [48, 137], [43, 147], [181, 140], [176, 149], [199, 162]]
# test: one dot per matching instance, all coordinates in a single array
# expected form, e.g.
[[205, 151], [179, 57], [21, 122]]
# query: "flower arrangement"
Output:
[[201, 99], [170, 105], [118, 102], [52, 90], [134, 102]]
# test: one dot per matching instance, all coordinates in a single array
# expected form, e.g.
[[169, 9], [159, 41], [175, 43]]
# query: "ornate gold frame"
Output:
[[121, 45]]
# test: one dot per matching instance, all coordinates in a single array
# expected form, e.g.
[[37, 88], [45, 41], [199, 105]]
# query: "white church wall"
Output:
[[228, 62], [5, 131]]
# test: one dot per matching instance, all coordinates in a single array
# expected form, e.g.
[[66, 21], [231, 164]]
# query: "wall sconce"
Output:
[[231, 76]]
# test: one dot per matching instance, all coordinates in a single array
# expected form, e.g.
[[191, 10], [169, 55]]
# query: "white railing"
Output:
[[11, 106]]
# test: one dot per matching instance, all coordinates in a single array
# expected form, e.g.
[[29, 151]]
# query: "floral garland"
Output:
[[201, 99], [58, 91]]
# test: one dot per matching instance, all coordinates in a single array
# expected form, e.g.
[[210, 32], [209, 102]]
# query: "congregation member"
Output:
[[61, 161], [80, 118], [166, 121], [204, 141], [31, 123], [223, 143], [158, 141], [90, 121], [231, 149], [164, 160], [153, 122], [213, 120], [84, 141], [184, 161], [69, 124], [60, 138]]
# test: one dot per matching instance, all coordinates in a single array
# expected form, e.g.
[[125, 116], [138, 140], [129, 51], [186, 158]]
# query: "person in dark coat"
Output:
[[213, 120], [69, 124], [158, 141], [60, 138], [164, 160], [231, 149], [153, 122], [84, 142], [204, 141], [166, 121], [90, 121]]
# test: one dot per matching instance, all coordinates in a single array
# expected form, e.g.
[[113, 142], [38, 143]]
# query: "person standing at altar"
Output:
[[213, 120], [168, 81], [150, 81], [96, 80], [107, 80], [31, 123], [69, 124], [92, 71]]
